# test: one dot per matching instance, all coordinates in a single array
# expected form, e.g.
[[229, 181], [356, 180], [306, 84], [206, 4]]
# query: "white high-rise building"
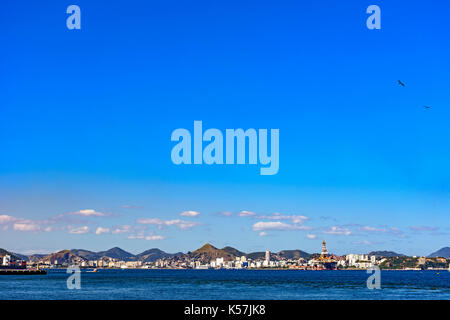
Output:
[[6, 260], [219, 261], [267, 255]]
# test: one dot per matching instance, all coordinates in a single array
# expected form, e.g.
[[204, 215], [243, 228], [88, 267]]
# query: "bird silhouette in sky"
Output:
[[403, 85]]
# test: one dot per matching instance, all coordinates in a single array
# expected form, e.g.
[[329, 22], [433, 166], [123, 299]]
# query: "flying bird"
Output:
[[427, 107], [401, 83]]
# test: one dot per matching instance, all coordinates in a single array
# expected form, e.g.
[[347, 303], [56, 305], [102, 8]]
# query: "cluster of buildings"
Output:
[[360, 261], [105, 262], [219, 263], [324, 261]]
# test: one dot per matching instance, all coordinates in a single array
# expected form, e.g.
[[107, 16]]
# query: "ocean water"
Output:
[[228, 284]]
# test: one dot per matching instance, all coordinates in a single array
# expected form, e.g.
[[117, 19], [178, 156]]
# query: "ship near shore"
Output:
[[19, 267], [324, 261]]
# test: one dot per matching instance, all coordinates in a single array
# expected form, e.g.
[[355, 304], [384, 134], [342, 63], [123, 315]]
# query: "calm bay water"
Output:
[[228, 284]]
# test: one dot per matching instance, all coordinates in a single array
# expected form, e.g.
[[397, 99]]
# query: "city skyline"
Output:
[[86, 119]]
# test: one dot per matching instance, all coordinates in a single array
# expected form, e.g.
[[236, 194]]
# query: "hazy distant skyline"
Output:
[[86, 117]]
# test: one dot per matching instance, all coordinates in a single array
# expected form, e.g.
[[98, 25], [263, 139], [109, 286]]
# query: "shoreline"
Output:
[[243, 269]]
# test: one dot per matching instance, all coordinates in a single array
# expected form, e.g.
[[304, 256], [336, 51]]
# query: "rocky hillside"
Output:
[[208, 252], [64, 256]]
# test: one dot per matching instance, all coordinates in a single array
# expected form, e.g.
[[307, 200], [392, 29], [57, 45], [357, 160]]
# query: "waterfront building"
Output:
[[6, 260]]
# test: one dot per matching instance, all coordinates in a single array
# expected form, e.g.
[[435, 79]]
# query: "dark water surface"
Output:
[[228, 284]]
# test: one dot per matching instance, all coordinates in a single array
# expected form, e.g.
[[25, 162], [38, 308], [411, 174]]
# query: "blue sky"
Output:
[[86, 118]]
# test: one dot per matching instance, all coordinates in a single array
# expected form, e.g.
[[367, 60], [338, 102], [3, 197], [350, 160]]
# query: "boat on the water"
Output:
[[17, 267]]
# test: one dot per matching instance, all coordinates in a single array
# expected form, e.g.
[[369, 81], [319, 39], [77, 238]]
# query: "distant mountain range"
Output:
[[115, 253], [294, 254], [205, 254], [386, 254], [443, 253], [155, 254]]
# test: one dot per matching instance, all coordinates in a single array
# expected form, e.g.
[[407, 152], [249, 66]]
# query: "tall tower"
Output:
[[267, 255], [324, 249]]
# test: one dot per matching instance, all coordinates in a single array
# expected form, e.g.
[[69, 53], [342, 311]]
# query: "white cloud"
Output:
[[190, 213], [26, 226], [423, 228], [122, 229], [245, 213], [150, 237], [385, 229], [259, 226], [297, 219], [181, 224], [372, 229], [226, 213], [155, 237], [364, 242], [396, 232], [80, 230], [338, 231], [136, 236], [263, 234], [101, 230], [271, 226], [311, 236], [4, 219], [88, 213]]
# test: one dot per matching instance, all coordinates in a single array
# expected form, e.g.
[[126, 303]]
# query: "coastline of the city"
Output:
[[224, 274], [210, 257]]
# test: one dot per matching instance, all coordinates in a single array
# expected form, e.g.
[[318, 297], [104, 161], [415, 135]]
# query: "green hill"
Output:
[[293, 254], [154, 254], [385, 254]]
